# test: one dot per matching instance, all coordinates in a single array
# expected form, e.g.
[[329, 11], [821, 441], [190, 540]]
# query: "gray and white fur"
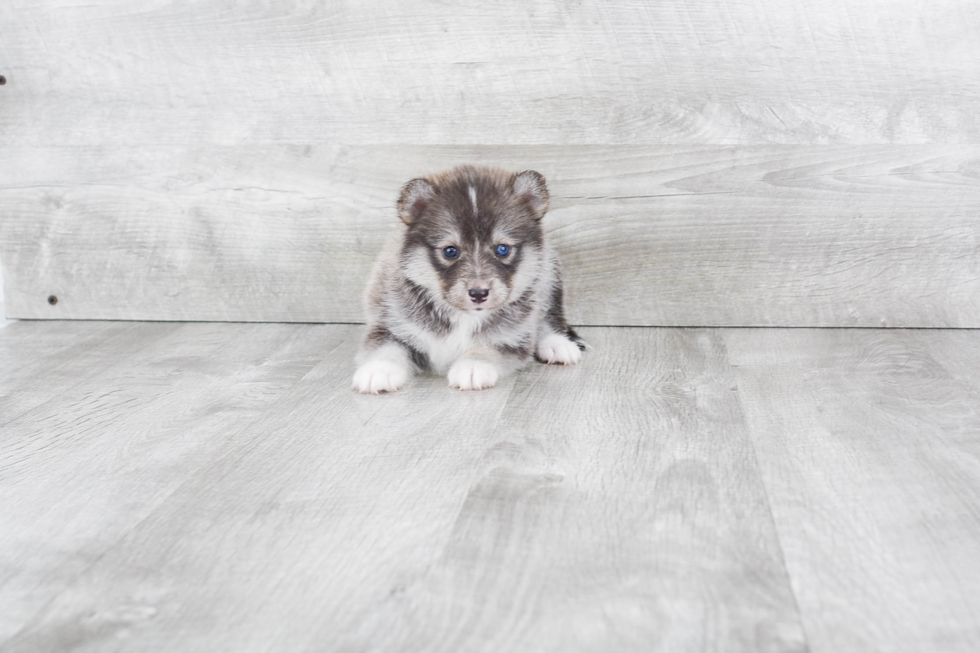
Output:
[[467, 287]]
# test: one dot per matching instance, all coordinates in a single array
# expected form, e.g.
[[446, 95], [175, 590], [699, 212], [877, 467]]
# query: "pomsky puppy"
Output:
[[467, 287]]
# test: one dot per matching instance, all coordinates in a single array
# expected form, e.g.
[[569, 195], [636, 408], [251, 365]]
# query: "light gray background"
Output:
[[169, 486], [751, 162]]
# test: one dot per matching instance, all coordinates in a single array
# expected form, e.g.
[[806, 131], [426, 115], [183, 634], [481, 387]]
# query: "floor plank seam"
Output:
[[772, 516]]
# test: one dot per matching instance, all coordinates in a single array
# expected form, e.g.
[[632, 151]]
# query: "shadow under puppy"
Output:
[[467, 287]]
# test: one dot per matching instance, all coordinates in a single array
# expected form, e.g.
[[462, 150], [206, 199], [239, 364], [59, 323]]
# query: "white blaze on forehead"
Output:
[[473, 198], [477, 268]]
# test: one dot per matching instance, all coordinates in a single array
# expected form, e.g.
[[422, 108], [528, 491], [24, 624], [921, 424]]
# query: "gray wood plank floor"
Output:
[[219, 487]]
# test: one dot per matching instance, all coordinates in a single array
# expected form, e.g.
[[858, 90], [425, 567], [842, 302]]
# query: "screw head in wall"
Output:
[[52, 299]]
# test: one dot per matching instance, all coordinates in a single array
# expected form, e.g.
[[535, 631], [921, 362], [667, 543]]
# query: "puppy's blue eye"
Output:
[[450, 252], [503, 250]]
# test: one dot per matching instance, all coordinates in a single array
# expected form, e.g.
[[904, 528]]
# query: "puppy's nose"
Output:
[[479, 295]]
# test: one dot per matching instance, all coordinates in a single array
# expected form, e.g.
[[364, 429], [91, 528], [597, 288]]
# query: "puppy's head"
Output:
[[474, 235]]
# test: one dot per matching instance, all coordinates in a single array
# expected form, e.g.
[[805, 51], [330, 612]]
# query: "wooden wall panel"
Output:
[[544, 71], [747, 162], [669, 235]]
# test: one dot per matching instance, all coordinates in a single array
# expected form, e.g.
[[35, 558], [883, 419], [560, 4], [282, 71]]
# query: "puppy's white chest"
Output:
[[445, 350]]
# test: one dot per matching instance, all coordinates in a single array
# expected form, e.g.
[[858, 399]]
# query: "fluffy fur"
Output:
[[467, 287]]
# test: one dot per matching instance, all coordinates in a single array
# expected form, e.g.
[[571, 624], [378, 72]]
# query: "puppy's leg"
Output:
[[480, 367], [558, 344], [557, 349], [385, 364]]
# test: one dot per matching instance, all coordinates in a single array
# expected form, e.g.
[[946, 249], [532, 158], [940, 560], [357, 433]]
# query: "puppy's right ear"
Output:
[[416, 196]]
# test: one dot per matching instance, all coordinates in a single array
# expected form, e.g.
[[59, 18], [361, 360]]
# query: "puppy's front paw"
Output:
[[556, 349], [472, 374], [375, 377]]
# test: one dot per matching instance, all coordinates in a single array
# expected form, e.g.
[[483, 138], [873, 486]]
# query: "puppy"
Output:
[[467, 287]]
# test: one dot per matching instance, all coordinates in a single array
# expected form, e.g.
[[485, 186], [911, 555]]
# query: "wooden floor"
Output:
[[219, 487]]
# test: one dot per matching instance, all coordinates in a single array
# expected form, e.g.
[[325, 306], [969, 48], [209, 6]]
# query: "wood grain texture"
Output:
[[96, 457], [618, 509], [3, 310], [540, 515], [41, 360], [220, 487], [669, 235], [868, 445], [547, 71], [286, 517], [746, 163]]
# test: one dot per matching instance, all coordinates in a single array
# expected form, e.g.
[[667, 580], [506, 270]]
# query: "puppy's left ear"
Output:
[[530, 187], [414, 199]]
